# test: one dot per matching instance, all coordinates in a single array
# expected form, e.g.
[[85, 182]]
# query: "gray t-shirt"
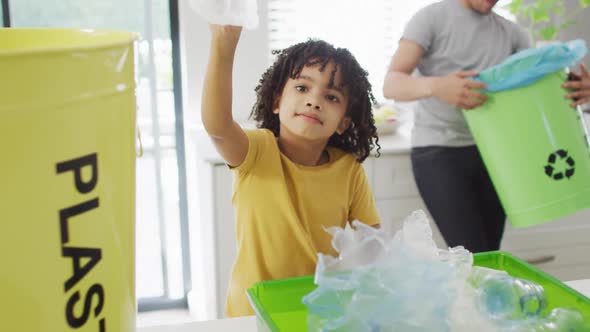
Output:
[[456, 38]]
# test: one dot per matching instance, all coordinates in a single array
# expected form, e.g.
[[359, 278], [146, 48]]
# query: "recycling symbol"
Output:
[[559, 174]]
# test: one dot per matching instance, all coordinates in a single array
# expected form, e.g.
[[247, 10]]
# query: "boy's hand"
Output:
[[225, 37], [457, 90], [581, 85]]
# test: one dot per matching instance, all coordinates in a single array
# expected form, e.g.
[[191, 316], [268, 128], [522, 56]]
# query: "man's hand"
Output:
[[457, 90], [580, 85]]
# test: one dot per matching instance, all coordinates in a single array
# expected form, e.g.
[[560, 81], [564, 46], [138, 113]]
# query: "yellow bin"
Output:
[[67, 180]]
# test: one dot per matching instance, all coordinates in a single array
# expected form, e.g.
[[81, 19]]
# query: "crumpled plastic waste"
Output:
[[242, 13], [385, 281]]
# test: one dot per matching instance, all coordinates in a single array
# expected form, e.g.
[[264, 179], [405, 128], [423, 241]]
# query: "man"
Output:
[[448, 42]]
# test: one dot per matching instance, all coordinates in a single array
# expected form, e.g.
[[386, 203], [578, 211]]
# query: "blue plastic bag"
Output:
[[530, 65]]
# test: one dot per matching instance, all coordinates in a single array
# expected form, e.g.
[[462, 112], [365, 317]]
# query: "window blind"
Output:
[[369, 29]]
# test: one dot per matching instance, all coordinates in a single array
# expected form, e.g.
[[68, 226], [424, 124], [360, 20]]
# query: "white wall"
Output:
[[581, 29]]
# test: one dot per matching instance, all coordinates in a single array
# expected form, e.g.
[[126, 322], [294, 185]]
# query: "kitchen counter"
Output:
[[248, 324]]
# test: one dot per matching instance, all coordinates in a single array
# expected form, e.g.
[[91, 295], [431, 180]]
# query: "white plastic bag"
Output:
[[242, 13]]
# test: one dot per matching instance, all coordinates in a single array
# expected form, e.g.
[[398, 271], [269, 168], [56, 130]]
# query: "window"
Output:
[[162, 248], [370, 29], [501, 10], [4, 14]]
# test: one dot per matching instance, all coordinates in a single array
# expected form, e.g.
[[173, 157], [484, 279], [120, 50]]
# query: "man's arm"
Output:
[[216, 107], [399, 84], [454, 89]]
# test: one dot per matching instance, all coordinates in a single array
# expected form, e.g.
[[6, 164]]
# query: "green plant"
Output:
[[538, 15]]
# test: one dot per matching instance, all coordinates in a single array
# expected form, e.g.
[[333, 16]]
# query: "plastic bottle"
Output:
[[517, 305], [559, 320], [503, 297]]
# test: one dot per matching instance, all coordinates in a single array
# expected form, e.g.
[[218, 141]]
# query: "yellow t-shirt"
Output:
[[282, 209]]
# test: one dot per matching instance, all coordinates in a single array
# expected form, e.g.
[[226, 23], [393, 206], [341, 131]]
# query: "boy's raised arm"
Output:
[[216, 107]]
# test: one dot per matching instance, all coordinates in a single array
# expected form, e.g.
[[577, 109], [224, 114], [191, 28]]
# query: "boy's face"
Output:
[[482, 6], [309, 108]]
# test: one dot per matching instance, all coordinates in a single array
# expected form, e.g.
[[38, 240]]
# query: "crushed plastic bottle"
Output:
[[559, 320], [517, 305], [505, 297], [228, 12]]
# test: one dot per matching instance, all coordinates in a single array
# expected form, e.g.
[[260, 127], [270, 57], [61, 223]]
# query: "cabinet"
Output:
[[396, 195], [558, 247]]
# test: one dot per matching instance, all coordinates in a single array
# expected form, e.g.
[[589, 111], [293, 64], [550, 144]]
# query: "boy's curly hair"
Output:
[[361, 136]]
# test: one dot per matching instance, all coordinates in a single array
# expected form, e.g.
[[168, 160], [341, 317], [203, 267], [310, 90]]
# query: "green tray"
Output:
[[278, 302]]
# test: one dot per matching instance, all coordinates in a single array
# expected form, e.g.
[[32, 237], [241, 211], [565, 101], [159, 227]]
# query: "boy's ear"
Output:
[[275, 104], [344, 124]]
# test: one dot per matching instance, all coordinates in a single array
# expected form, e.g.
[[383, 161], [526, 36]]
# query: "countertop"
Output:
[[396, 143], [248, 324]]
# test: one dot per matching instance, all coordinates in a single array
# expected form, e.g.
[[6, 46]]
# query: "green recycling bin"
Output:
[[535, 148]]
